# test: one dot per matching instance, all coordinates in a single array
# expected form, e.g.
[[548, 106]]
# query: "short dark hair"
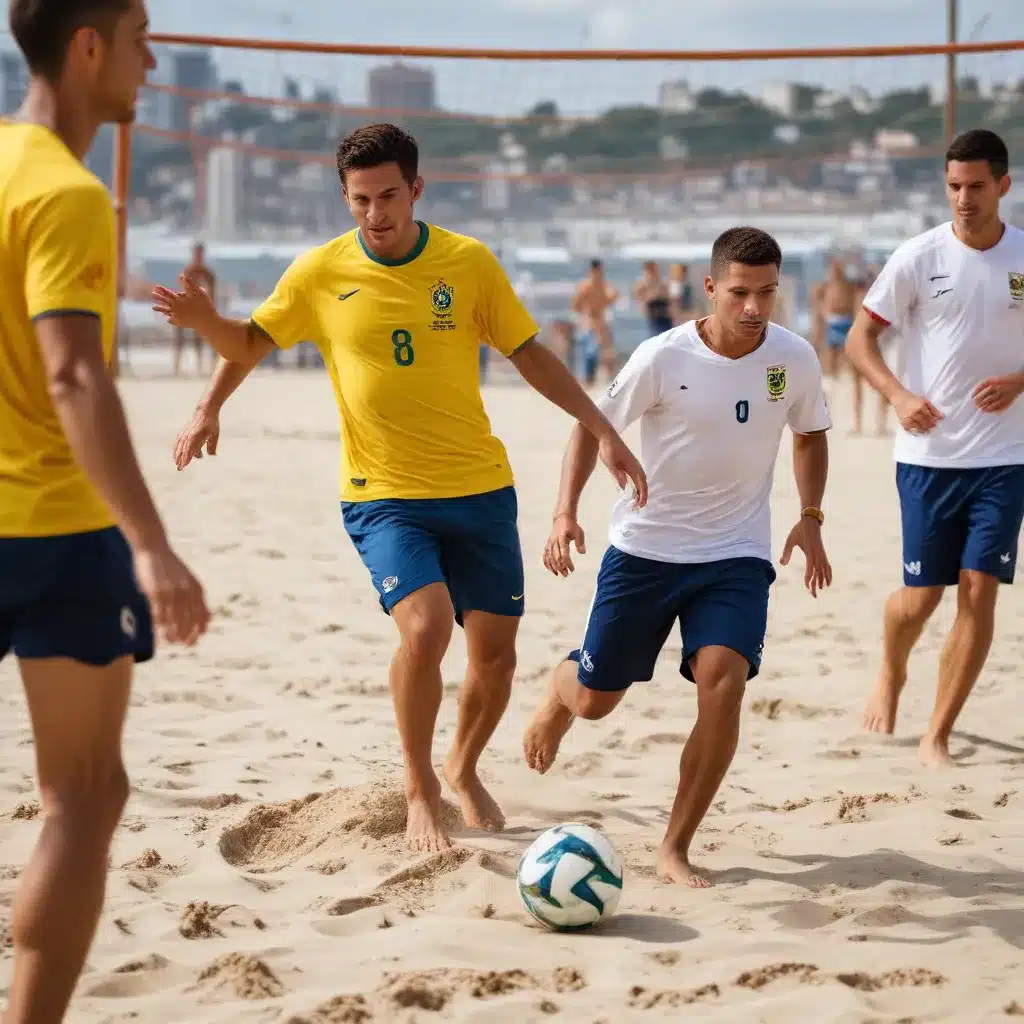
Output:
[[980, 144], [750, 246], [596, 264], [43, 29], [377, 144]]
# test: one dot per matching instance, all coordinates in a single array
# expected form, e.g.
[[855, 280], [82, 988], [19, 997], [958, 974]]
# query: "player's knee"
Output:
[[497, 665], [721, 677], [910, 604], [595, 704], [425, 620], [977, 591], [91, 801]]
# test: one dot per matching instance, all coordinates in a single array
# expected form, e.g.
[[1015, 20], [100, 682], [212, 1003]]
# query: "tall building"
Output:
[[13, 81], [185, 68], [398, 87], [225, 183]]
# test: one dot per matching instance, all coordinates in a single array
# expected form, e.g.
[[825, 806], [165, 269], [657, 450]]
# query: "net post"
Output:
[[122, 179], [951, 34]]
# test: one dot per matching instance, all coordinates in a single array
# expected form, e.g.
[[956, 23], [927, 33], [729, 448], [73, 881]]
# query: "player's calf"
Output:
[[720, 674], [483, 698], [566, 700], [425, 620]]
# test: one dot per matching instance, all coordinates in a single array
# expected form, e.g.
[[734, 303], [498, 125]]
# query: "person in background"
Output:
[[592, 304], [651, 294], [198, 271], [682, 305]]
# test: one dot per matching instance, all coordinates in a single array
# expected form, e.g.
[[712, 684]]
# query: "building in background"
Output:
[[13, 81], [401, 87], [186, 68], [225, 187]]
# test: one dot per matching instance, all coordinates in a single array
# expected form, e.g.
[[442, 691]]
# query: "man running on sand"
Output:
[[956, 296], [398, 309], [712, 397]]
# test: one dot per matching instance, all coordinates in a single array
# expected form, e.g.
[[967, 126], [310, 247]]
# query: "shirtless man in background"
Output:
[[861, 285], [838, 303], [197, 271], [593, 299]]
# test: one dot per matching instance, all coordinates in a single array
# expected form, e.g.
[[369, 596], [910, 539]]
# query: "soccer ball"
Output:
[[570, 877]]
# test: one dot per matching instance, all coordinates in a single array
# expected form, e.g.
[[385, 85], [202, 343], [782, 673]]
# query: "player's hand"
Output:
[[997, 394], [565, 531], [203, 431], [623, 465], [189, 308], [806, 536], [916, 414], [175, 596]]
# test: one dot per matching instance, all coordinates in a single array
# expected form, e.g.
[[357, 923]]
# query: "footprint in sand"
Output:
[[142, 976]]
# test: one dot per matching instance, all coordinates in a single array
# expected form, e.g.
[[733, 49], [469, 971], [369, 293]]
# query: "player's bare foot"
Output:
[[545, 733], [880, 711], [934, 753], [424, 832], [674, 866], [479, 808]]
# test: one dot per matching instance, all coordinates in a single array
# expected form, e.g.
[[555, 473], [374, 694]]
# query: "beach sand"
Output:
[[259, 874]]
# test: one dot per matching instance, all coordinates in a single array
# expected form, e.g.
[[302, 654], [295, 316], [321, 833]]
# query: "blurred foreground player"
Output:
[[78, 598]]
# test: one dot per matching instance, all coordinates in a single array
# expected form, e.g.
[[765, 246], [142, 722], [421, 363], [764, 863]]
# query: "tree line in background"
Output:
[[721, 129]]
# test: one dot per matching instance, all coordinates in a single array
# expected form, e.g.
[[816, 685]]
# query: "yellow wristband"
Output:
[[814, 513]]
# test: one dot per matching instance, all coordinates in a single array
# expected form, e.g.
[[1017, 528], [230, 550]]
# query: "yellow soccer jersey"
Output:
[[57, 255], [401, 341]]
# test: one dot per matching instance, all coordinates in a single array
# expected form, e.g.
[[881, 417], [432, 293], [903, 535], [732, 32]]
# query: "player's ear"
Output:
[[709, 286], [417, 188], [1004, 185]]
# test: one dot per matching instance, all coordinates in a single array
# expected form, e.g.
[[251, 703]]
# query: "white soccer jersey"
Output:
[[960, 317], [710, 429]]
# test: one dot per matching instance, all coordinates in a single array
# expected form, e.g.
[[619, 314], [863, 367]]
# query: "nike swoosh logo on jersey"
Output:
[[348, 295], [942, 291], [683, 387], [939, 277]]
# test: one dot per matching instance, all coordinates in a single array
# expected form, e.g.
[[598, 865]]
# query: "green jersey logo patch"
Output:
[[1017, 286], [776, 382]]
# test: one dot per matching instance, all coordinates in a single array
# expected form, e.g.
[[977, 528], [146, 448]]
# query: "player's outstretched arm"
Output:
[[548, 375], [92, 417], [238, 341]]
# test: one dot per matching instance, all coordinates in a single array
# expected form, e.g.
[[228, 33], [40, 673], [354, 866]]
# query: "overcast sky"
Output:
[[676, 24]]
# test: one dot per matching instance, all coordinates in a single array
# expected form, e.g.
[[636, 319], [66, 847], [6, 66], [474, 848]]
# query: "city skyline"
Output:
[[512, 88]]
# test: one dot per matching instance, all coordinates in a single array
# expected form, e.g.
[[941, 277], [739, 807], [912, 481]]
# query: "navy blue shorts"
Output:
[[470, 544], [836, 332], [73, 596], [957, 519], [637, 602]]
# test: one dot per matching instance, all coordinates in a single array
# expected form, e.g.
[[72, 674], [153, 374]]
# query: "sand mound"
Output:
[[272, 836], [241, 977]]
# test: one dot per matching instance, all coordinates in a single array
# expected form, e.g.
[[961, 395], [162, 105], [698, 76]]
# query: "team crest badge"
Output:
[[776, 382], [1017, 286], [441, 298]]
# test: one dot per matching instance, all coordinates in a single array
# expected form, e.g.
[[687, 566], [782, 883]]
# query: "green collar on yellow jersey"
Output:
[[407, 258]]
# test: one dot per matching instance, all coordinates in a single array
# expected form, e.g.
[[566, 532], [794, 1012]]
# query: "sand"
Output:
[[259, 873]]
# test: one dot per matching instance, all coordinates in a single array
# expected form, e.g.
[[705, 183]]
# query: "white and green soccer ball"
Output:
[[570, 877]]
